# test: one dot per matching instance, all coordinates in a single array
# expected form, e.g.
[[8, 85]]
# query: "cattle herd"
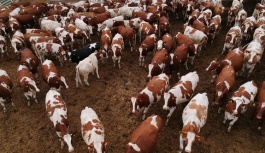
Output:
[[62, 43]]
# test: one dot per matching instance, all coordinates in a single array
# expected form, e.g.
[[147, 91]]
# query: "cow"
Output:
[[240, 17], [260, 105], [28, 20], [100, 18], [27, 83], [224, 82], [219, 9], [157, 64], [30, 60], [233, 38], [48, 32], [65, 37], [144, 137], [44, 48], [152, 93], [248, 27], [234, 58], [191, 6], [106, 39], [192, 47], [14, 25], [205, 16], [88, 65], [146, 29], [252, 56], [6, 87], [148, 45], [164, 25], [194, 117], [166, 42], [197, 36], [181, 92], [148, 17], [27, 36], [52, 77], [178, 58], [109, 23], [93, 131], [126, 11], [214, 27], [258, 8], [79, 35], [3, 46], [57, 112], [78, 55], [17, 41], [116, 49], [83, 26], [240, 101], [50, 25], [233, 11], [197, 24], [260, 23], [38, 39], [259, 35], [128, 34]]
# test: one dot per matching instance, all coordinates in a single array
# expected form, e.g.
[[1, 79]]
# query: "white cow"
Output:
[[50, 25], [181, 92], [92, 131], [109, 22], [83, 26], [194, 117], [240, 102], [117, 47], [17, 41], [57, 112]]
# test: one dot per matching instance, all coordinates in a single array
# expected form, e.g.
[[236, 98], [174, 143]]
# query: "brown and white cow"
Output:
[[148, 45], [261, 23], [158, 63], [252, 56], [259, 35], [44, 48], [17, 41], [194, 117], [248, 27], [146, 29], [93, 131], [260, 105], [52, 77], [192, 47], [234, 58], [197, 24], [166, 42], [181, 92], [27, 83], [258, 8], [197, 36], [223, 84], [240, 17], [14, 25], [233, 11], [116, 49], [233, 38], [3, 46], [57, 112], [128, 34], [219, 9], [106, 39], [79, 35], [240, 101], [144, 137], [48, 32], [66, 37], [88, 65], [164, 25], [6, 87], [153, 92], [214, 27], [178, 58], [30, 60]]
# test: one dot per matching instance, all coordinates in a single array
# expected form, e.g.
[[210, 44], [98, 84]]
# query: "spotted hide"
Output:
[[6, 87]]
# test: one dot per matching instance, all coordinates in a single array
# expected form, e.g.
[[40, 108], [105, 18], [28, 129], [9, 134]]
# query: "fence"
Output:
[[7, 2]]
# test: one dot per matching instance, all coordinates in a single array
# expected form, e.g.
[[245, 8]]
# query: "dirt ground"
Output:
[[29, 129]]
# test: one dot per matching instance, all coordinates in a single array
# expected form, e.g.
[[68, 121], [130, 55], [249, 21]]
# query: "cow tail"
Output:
[[77, 77]]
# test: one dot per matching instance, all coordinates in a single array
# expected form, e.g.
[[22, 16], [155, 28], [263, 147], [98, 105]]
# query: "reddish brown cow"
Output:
[[52, 77], [144, 138], [6, 87], [98, 10], [223, 84], [34, 10], [27, 83], [164, 25], [148, 17], [106, 39], [197, 24], [128, 35], [178, 58], [214, 27], [100, 18], [182, 39], [19, 3], [166, 42], [30, 60], [260, 105], [26, 19], [234, 58], [146, 29], [158, 63], [148, 45]]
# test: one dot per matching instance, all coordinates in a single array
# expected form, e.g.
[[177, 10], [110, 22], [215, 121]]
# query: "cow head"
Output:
[[190, 139], [170, 101], [235, 106], [67, 139], [98, 147], [252, 55], [247, 29]]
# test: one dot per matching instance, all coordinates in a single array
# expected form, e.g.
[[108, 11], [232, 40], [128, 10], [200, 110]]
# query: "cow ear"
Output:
[[199, 138]]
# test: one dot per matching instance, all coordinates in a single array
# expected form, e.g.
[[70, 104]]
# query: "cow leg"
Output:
[[192, 59], [28, 98], [213, 78], [225, 118], [61, 139], [35, 99], [97, 71], [114, 61], [171, 110], [2, 104], [180, 143], [145, 111], [119, 62], [85, 79], [140, 61], [224, 48], [251, 69], [231, 124]]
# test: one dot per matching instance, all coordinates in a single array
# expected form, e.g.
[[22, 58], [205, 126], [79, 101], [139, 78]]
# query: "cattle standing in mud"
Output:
[[30, 60]]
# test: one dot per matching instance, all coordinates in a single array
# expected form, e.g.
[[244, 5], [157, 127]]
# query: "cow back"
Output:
[[226, 75]]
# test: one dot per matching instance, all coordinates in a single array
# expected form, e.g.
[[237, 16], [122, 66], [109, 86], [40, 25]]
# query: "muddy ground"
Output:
[[29, 129]]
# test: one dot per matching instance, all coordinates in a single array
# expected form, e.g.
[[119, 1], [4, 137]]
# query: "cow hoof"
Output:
[[228, 130]]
